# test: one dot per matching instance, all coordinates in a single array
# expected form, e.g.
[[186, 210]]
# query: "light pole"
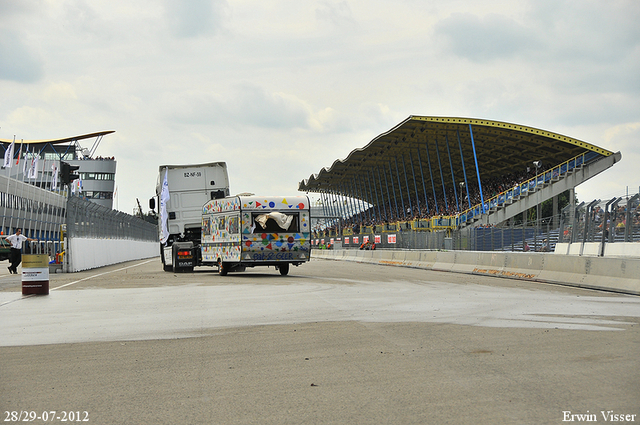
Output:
[[538, 165], [461, 196]]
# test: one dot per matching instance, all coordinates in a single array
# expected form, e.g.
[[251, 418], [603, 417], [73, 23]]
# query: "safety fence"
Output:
[[613, 221], [38, 212], [75, 233], [86, 219], [98, 236]]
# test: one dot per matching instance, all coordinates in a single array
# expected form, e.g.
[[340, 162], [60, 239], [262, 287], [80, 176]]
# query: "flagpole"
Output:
[[33, 174], [25, 186], [54, 180], [17, 173], [4, 214], [42, 195]]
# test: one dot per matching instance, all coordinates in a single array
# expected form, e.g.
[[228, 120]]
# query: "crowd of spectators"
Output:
[[447, 204], [98, 158], [616, 220]]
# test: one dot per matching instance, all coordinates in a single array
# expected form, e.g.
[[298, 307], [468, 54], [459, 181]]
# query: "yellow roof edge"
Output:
[[62, 140], [517, 127]]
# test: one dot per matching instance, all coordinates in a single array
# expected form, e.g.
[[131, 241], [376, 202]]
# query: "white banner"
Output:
[[8, 155], [164, 198]]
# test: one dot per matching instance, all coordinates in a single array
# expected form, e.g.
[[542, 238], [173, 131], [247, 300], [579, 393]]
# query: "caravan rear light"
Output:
[[184, 253]]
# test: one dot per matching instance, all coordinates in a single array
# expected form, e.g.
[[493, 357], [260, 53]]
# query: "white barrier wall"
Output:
[[618, 249], [85, 254], [611, 274]]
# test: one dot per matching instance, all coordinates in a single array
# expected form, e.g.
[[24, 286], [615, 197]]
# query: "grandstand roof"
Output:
[[63, 140], [501, 149]]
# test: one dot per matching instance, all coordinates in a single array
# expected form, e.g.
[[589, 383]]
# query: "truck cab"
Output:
[[186, 189]]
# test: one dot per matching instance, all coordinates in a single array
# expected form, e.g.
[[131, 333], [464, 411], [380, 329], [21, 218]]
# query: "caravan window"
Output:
[[272, 222], [228, 223]]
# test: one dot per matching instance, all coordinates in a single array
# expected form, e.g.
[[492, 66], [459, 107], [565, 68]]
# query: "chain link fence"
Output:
[[86, 219], [615, 220]]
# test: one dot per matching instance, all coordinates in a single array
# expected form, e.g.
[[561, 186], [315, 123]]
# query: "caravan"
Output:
[[249, 231]]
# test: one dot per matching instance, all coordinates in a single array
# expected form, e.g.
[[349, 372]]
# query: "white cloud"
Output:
[[337, 14], [246, 105], [196, 17], [482, 39], [213, 80], [20, 59]]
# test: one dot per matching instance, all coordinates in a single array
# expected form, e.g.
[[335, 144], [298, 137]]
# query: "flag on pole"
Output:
[[24, 167], [33, 170], [8, 155], [19, 152], [54, 180], [164, 198]]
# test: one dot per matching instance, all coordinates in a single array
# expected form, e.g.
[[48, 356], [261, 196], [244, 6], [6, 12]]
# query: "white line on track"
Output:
[[80, 280]]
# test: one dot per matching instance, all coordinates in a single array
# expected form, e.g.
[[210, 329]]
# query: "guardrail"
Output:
[[523, 189]]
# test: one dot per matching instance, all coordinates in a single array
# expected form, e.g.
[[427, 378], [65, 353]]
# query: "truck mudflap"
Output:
[[183, 256]]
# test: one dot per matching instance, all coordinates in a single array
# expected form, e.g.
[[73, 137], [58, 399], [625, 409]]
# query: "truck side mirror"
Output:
[[152, 204]]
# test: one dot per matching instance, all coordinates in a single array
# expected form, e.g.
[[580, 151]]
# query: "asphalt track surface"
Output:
[[332, 343]]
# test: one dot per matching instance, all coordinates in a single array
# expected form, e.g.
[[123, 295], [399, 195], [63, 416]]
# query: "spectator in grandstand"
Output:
[[545, 246]]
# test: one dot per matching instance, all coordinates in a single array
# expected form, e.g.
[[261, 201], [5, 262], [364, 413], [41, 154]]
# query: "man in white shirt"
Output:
[[16, 250]]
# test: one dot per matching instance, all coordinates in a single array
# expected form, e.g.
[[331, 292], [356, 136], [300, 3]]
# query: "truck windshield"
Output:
[[275, 222]]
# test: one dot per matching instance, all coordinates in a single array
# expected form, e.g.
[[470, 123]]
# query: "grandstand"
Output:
[[449, 173]]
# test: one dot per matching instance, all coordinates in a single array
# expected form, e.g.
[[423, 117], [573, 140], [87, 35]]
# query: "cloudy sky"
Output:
[[280, 89]]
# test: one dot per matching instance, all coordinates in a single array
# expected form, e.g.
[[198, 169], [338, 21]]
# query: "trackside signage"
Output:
[[35, 274]]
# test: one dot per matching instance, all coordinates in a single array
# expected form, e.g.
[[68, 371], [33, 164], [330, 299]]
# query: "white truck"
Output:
[[248, 231], [189, 187]]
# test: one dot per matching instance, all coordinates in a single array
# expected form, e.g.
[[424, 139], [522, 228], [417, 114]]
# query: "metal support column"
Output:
[[406, 182], [404, 212], [395, 199], [424, 186], [386, 185], [433, 186], [365, 210], [374, 192], [475, 157], [466, 184], [453, 178], [415, 185], [444, 189]]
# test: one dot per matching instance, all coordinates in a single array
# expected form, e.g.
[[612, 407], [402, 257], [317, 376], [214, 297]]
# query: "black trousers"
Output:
[[16, 258]]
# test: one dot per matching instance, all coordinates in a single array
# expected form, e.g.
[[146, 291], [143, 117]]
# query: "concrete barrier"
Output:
[[618, 249], [88, 253], [617, 274]]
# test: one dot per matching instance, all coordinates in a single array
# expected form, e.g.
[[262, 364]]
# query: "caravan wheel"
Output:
[[284, 269]]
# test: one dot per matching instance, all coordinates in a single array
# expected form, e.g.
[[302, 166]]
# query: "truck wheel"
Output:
[[284, 269], [223, 268]]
